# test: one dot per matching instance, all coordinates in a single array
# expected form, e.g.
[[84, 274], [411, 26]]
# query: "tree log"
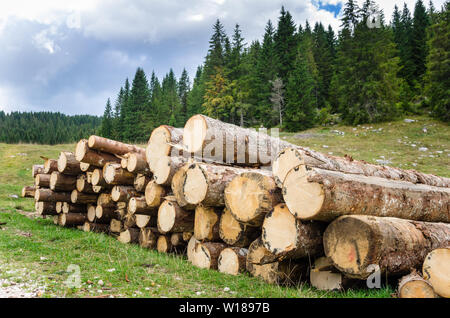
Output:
[[105, 214], [67, 164], [98, 189], [48, 195], [207, 254], [324, 276], [232, 260], [137, 163], [42, 180], [46, 208], [73, 208], [129, 221], [147, 238], [397, 246], [162, 142], [91, 212], [165, 168], [414, 286], [235, 233], [93, 157], [177, 188], [250, 196], [116, 226], [143, 220], [187, 236], [436, 270], [163, 244], [226, 143], [37, 169], [83, 198], [50, 165], [105, 200], [206, 223], [140, 182], [258, 254], [85, 167], [154, 194], [123, 193], [287, 272], [205, 183], [176, 239], [287, 237], [95, 227], [112, 146], [114, 174], [130, 235], [58, 207], [172, 218], [82, 185], [124, 161], [28, 192], [62, 182], [317, 194], [191, 248], [138, 205], [294, 156], [97, 178], [71, 219]]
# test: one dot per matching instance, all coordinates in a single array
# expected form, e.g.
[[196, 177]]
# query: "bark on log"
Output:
[[116, 226], [143, 220], [62, 182], [48, 195], [288, 237], [172, 218], [177, 188], [37, 169], [163, 244], [147, 238], [436, 270], [129, 221], [414, 286], [73, 208], [67, 164], [205, 183], [137, 163], [207, 254], [162, 142], [130, 235], [105, 200], [46, 208], [226, 143], [206, 223], [123, 193], [139, 205], [165, 168], [93, 157], [28, 192], [42, 180], [258, 254], [71, 219], [287, 272], [294, 156], [397, 246], [154, 194], [83, 198], [95, 227], [232, 260], [114, 174], [317, 194], [140, 182], [324, 276], [235, 233], [250, 196], [112, 146], [50, 165]]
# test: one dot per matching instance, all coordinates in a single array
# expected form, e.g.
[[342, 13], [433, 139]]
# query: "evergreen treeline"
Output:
[[299, 76], [46, 127]]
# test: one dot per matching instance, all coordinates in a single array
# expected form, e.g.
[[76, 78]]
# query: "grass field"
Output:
[[35, 252]]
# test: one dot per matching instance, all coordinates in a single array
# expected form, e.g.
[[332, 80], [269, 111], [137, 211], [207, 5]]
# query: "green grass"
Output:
[[35, 250]]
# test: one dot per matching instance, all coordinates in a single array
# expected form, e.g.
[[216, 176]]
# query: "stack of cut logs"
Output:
[[236, 200]]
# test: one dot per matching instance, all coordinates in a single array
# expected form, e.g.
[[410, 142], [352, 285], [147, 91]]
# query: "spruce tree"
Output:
[[285, 42], [138, 119], [419, 39], [183, 92], [195, 98], [107, 121]]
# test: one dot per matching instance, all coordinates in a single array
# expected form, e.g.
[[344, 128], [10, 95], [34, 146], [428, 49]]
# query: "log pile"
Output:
[[238, 201]]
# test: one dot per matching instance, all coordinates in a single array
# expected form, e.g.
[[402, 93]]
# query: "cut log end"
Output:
[[232, 260], [154, 194], [194, 133], [207, 254], [206, 224], [163, 245], [285, 160], [436, 269], [195, 185], [130, 235], [414, 286], [323, 276]]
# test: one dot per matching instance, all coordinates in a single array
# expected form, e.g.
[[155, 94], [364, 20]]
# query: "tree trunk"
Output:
[[163, 244], [414, 286], [172, 218], [287, 237], [154, 194], [235, 233], [37, 169], [73, 208], [67, 164], [138, 205], [177, 188], [123, 193], [116, 226], [114, 174], [226, 143], [95, 227], [50, 165], [162, 142], [137, 163], [93, 157], [48, 195], [232, 260], [436, 270], [294, 156], [165, 168], [206, 223], [250, 196], [42, 180], [130, 235], [140, 182], [46, 208], [355, 243], [148, 238], [317, 194], [207, 254], [258, 254], [143, 220], [28, 192], [83, 198], [71, 219], [324, 276], [205, 183], [112, 146], [287, 272], [61, 182]]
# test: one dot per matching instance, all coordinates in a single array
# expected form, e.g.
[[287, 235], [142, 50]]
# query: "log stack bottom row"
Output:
[[302, 217]]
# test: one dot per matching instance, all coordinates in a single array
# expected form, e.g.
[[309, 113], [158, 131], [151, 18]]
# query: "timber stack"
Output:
[[238, 201]]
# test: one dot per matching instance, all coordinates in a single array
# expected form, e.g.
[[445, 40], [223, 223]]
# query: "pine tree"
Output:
[[117, 116], [350, 15], [285, 42], [419, 39], [183, 92], [216, 52], [218, 96], [107, 121]]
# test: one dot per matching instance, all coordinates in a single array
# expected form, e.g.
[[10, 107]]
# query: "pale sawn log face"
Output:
[[232, 260], [234, 233], [206, 223], [414, 286], [436, 270]]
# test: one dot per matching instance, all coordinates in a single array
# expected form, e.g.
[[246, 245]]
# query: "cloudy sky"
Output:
[[71, 55]]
